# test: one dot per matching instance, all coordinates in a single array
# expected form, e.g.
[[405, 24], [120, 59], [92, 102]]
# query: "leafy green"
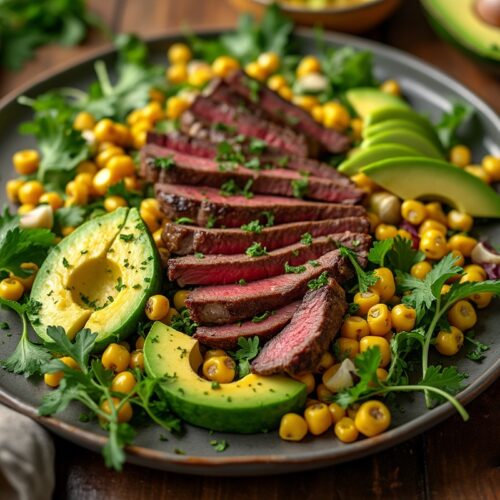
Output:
[[28, 358], [261, 317], [253, 227], [478, 348], [27, 25], [396, 253], [306, 239], [300, 187], [249, 349], [133, 198], [459, 291], [256, 250], [165, 163], [451, 121], [18, 245], [294, 269], [365, 279], [182, 322], [320, 281], [219, 446], [72, 216]]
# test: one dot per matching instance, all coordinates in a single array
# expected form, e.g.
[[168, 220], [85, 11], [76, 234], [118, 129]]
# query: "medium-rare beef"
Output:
[[226, 336], [193, 170], [202, 140], [183, 239], [287, 113], [206, 205], [224, 269], [221, 304], [250, 125], [299, 346]]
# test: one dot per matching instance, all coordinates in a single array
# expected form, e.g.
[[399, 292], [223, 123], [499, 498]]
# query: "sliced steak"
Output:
[[206, 205], [183, 239], [249, 125], [287, 113], [226, 336], [221, 304], [193, 170], [224, 269], [299, 346], [200, 139]]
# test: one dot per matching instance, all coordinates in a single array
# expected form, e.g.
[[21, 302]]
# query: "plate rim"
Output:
[[242, 464]]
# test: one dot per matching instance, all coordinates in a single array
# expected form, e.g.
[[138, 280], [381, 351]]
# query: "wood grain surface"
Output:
[[455, 460]]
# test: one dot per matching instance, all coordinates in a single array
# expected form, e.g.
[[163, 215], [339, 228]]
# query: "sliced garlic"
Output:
[[40, 217], [341, 378], [312, 82], [481, 255]]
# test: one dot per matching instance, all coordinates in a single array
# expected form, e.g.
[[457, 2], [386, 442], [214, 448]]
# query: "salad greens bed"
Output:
[[63, 148]]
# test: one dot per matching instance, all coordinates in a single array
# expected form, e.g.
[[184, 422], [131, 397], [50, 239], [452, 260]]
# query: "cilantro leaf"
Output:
[[253, 227], [306, 239], [72, 216], [459, 291], [365, 279], [249, 349], [219, 446], [165, 163], [18, 245], [133, 198], [256, 250], [451, 121], [478, 348], [448, 379], [379, 250], [320, 281], [402, 256], [294, 269], [182, 322], [120, 435]]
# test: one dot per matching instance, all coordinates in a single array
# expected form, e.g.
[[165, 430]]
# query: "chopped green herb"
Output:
[[184, 220], [294, 269], [261, 317], [65, 263], [165, 163], [219, 446], [256, 250], [242, 282], [306, 239], [300, 187], [199, 255], [320, 281], [127, 237]]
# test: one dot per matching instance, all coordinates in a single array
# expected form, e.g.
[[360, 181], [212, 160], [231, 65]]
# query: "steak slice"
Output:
[[249, 125], [221, 304], [200, 139], [183, 240], [226, 336], [193, 170], [299, 346], [224, 269], [287, 113], [206, 205]]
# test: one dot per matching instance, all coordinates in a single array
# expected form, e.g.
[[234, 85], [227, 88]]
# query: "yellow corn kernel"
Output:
[[336, 412], [354, 327], [336, 116], [357, 128], [421, 269], [275, 82], [459, 221], [308, 65], [179, 53], [219, 369], [317, 113], [30, 192], [121, 166], [269, 62], [124, 410], [347, 348], [432, 224], [307, 102], [12, 189], [200, 75], [157, 307], [385, 287], [104, 130], [364, 182], [124, 382], [403, 318], [433, 244], [103, 180], [84, 121], [176, 106], [434, 211], [385, 231], [286, 93], [323, 393], [11, 289], [111, 203], [365, 300], [479, 172], [136, 360], [87, 167], [106, 154], [462, 315], [413, 211], [345, 430], [491, 165], [153, 112], [460, 155], [374, 341], [325, 362], [292, 427], [26, 162], [180, 299], [253, 70], [462, 243], [167, 320], [372, 418], [307, 379], [379, 320], [449, 342], [53, 199], [115, 358], [177, 73], [391, 87], [54, 379], [318, 418], [224, 66]]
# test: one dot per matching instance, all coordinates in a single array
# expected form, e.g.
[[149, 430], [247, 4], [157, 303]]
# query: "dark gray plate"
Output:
[[429, 91]]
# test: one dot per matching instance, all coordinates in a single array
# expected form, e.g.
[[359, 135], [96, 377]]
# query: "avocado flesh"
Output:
[[364, 157], [459, 22], [395, 124], [423, 178], [249, 405], [404, 138], [365, 100], [96, 279]]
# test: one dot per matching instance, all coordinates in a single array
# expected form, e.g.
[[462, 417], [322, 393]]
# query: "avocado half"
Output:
[[252, 404], [424, 178], [99, 277], [459, 23]]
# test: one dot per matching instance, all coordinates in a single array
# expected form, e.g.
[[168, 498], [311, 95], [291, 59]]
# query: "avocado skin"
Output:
[[425, 178], [250, 405], [134, 312]]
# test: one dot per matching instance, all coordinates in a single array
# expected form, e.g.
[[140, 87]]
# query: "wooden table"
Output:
[[452, 461]]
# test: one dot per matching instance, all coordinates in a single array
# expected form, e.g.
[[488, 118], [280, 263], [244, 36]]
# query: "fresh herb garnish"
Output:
[[256, 250], [165, 163], [396, 253], [306, 239], [320, 281], [248, 350], [182, 322], [300, 187], [478, 348], [294, 269], [253, 227], [199, 255], [451, 121], [184, 220], [258, 318], [365, 279], [219, 446]]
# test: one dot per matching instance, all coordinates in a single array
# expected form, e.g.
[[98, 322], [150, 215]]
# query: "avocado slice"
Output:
[[364, 157], [399, 124], [395, 113], [99, 277], [414, 178], [251, 404], [459, 22], [405, 138], [366, 100]]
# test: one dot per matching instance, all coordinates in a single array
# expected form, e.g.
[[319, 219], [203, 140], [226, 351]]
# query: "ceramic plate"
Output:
[[430, 92]]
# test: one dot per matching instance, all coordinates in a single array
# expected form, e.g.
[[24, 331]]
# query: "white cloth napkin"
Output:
[[26, 458]]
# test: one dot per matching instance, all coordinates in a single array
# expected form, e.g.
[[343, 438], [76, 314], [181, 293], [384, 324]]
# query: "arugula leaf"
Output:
[[28, 358], [365, 279], [451, 121], [18, 246], [249, 349]]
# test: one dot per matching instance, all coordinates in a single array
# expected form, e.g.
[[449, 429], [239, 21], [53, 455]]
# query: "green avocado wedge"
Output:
[[400, 124], [396, 113], [252, 404], [99, 277], [365, 100], [423, 178], [405, 138], [364, 157]]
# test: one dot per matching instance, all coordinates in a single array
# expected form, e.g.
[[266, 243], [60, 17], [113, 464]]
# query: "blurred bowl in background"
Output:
[[348, 16]]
